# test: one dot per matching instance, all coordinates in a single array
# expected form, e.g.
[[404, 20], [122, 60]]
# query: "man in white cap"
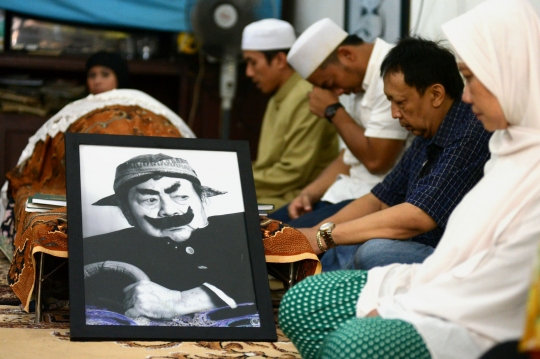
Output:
[[337, 64], [295, 145]]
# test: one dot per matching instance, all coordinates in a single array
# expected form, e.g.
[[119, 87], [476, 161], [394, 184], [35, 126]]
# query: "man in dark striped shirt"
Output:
[[404, 217]]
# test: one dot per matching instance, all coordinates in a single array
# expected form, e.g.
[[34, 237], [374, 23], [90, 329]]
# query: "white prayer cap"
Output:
[[314, 46], [268, 34]]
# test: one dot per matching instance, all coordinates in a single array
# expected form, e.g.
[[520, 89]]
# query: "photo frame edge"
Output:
[[82, 332]]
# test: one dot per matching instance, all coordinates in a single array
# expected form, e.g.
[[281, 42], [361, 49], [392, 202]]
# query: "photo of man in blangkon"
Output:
[[175, 265]]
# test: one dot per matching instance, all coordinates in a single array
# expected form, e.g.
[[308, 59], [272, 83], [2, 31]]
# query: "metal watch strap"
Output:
[[319, 242], [328, 240]]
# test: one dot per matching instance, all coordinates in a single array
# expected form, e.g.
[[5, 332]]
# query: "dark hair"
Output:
[[113, 61], [350, 40], [424, 63], [270, 54], [122, 194]]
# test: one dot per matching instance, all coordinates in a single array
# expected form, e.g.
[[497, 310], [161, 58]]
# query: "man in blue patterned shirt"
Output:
[[404, 216]]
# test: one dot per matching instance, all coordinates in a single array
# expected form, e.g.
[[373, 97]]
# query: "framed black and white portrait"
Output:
[[164, 240], [371, 19]]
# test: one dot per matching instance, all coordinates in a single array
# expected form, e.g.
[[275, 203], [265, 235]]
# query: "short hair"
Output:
[[270, 54], [122, 194], [350, 40], [424, 63]]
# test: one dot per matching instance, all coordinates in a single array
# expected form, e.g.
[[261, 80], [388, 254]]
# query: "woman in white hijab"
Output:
[[470, 294]]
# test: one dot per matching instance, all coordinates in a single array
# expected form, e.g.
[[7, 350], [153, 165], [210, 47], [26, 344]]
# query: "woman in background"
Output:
[[471, 293], [106, 71]]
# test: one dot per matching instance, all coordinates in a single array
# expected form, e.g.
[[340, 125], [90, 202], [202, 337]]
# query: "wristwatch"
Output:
[[331, 110], [325, 232]]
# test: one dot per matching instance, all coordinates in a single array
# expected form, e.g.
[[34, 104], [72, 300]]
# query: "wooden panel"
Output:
[[77, 64], [15, 129]]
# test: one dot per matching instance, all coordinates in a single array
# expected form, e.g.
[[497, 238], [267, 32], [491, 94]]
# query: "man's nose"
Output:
[[396, 113], [168, 208], [249, 70], [466, 96]]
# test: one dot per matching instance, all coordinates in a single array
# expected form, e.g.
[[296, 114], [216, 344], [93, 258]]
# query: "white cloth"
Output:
[[73, 111], [371, 110], [268, 34], [473, 288], [314, 45]]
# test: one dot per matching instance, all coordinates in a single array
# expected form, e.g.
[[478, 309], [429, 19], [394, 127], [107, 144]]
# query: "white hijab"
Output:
[[499, 40], [476, 282]]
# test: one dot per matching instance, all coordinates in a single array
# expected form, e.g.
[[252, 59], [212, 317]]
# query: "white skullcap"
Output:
[[268, 34], [314, 46]]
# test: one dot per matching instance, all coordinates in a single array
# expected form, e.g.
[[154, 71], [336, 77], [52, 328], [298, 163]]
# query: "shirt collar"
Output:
[[287, 87]]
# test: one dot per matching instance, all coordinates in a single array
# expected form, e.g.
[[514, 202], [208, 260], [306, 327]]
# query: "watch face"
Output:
[[328, 226], [330, 112]]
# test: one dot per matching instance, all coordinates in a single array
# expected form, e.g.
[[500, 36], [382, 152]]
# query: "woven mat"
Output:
[[53, 344], [21, 337]]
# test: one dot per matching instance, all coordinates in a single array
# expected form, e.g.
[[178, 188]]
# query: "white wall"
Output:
[[434, 13], [426, 18], [306, 12]]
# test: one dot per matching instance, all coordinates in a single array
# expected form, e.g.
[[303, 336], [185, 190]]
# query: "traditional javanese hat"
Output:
[[141, 168], [314, 46], [268, 34]]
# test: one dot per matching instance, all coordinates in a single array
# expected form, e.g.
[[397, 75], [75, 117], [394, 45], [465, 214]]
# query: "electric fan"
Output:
[[218, 26]]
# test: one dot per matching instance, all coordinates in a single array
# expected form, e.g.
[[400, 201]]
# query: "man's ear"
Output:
[[345, 55], [280, 60], [437, 93]]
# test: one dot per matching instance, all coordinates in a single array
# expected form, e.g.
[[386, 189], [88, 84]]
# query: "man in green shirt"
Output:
[[295, 145]]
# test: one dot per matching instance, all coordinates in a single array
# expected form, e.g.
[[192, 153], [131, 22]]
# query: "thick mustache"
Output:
[[173, 221]]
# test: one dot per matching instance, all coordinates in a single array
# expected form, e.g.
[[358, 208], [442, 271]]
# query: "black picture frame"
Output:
[[224, 165], [369, 19]]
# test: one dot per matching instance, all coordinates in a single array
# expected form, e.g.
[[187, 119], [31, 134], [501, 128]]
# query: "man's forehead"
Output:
[[320, 77], [395, 82], [252, 54], [394, 77]]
